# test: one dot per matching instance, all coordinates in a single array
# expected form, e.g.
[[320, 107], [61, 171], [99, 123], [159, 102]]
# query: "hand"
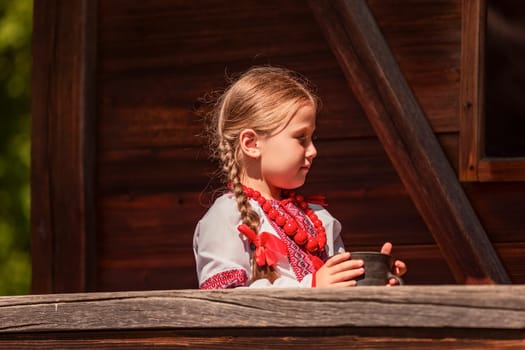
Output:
[[339, 271], [400, 267]]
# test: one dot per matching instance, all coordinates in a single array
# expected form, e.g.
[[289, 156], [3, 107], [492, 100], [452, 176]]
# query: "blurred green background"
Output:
[[15, 95]]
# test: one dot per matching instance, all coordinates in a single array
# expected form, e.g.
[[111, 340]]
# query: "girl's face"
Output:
[[286, 157]]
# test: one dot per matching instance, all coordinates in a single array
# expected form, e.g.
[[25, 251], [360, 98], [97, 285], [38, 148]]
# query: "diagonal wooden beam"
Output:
[[402, 127]]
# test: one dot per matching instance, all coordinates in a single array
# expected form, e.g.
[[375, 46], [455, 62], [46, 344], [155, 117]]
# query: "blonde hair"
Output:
[[263, 99]]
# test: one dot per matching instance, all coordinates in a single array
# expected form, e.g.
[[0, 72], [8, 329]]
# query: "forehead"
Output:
[[304, 117]]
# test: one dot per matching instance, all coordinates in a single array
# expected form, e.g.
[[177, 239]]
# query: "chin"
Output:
[[296, 185], [293, 183]]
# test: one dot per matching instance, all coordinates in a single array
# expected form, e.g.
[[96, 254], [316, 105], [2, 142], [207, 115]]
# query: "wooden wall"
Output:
[[151, 174]]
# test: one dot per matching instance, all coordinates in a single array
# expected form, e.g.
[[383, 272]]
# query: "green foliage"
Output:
[[15, 76]]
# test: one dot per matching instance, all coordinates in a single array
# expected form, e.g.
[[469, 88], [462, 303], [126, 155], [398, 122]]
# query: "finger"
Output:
[[348, 275], [393, 282], [351, 283], [337, 259], [386, 248], [401, 267], [346, 265]]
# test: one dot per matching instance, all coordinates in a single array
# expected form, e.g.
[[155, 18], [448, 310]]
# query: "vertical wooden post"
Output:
[[63, 141], [472, 42]]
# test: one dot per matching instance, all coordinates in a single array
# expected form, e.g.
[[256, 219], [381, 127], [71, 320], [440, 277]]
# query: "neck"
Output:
[[266, 191]]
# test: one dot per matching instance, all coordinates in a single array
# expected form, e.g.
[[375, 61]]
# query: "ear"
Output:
[[248, 142]]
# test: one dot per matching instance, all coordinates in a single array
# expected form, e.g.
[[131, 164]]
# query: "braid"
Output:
[[248, 215], [231, 169]]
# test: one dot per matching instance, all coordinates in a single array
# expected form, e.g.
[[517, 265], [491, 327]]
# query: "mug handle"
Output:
[[397, 278]]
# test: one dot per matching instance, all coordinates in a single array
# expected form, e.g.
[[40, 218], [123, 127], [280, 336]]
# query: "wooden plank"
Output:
[[454, 307], [500, 207], [41, 224], [159, 275], [409, 141], [501, 169], [62, 175], [512, 256], [448, 317], [310, 338], [89, 113], [471, 98]]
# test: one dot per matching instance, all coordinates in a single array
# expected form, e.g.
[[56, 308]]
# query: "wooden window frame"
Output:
[[473, 164]]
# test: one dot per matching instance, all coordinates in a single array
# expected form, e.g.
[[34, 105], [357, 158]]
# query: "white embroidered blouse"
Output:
[[222, 253]]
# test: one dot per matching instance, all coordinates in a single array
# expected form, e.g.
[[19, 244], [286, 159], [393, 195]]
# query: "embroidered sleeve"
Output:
[[226, 279], [222, 254]]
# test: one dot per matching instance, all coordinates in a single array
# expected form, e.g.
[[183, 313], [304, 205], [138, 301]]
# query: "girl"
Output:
[[260, 233]]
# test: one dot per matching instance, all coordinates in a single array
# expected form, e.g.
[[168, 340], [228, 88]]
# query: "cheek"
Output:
[[283, 156]]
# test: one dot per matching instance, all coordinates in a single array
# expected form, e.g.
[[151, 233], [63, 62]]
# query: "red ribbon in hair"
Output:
[[268, 248]]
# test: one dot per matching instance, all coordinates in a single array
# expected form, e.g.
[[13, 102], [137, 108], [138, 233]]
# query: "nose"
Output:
[[311, 151]]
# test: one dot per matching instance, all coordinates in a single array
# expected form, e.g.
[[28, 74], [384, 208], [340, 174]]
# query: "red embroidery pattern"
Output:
[[226, 279], [299, 260]]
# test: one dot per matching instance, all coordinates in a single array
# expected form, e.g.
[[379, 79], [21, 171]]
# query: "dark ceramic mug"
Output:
[[378, 268]]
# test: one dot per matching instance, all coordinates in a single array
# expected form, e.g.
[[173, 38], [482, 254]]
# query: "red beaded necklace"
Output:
[[311, 243]]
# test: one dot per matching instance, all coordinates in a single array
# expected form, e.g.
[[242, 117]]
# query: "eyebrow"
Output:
[[304, 129]]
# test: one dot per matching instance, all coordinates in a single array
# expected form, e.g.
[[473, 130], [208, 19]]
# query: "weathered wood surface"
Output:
[[402, 127], [483, 307], [408, 317]]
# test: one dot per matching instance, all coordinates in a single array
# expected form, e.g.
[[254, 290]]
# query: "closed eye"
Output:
[[304, 136], [302, 139]]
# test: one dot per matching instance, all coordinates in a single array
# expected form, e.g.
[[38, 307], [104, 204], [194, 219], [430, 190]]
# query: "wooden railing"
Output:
[[407, 317]]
